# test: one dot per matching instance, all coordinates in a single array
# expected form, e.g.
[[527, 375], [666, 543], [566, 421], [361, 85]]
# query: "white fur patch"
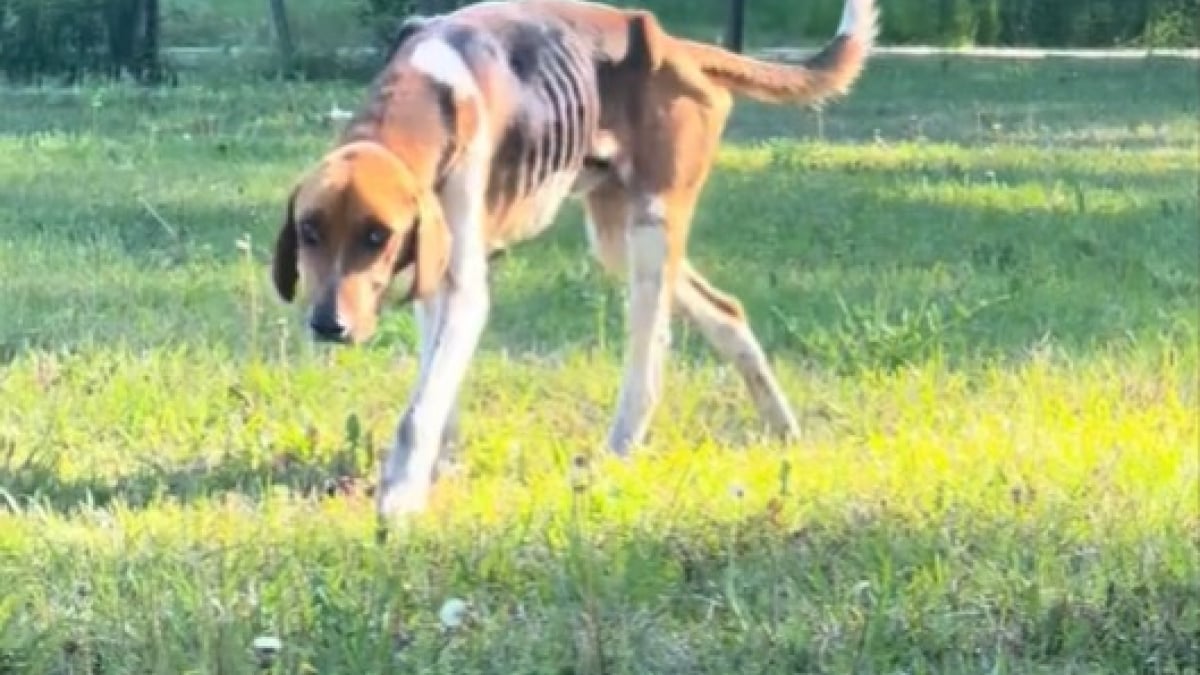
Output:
[[648, 249], [443, 63], [605, 145], [859, 19], [846, 27]]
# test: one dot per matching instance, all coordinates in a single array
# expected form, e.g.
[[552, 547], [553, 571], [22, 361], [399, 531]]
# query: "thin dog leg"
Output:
[[649, 326], [426, 313], [408, 471], [723, 323], [465, 302]]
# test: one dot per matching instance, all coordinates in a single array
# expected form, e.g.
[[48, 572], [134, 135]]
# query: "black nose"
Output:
[[328, 329]]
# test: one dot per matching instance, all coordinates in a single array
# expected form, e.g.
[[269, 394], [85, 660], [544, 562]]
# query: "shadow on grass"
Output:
[[882, 280], [34, 487], [303, 467], [839, 264], [955, 99], [856, 264]]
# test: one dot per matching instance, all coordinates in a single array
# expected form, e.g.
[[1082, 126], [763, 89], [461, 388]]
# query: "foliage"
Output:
[[1062, 23], [977, 278], [383, 17], [72, 38]]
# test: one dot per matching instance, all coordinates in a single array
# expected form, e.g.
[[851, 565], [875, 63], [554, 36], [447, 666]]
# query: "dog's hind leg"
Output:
[[718, 316], [722, 321], [672, 149]]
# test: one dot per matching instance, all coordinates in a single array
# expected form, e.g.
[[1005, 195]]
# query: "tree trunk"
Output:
[[151, 70], [735, 30], [283, 36]]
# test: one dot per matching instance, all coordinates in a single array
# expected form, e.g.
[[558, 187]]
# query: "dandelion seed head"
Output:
[[453, 613]]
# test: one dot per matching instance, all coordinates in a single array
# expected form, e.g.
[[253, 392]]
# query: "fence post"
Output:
[[149, 65], [283, 34], [736, 27]]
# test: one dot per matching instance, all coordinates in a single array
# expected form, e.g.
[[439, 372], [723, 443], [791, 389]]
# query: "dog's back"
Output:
[[537, 74]]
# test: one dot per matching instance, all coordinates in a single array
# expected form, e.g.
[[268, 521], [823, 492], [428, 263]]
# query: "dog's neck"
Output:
[[421, 161], [403, 118]]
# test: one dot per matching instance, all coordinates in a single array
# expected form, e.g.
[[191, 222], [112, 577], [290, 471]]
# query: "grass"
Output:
[[979, 281]]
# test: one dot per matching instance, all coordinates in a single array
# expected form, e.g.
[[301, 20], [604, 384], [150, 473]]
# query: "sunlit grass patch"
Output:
[[938, 490]]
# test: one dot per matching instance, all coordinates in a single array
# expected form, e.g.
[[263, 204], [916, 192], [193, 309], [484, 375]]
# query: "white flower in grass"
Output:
[[338, 114], [453, 613]]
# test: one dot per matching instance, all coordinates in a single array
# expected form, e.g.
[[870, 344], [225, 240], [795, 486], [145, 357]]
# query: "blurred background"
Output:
[[149, 39]]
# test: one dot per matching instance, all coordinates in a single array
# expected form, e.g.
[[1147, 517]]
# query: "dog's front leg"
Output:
[[426, 313], [649, 333], [449, 339]]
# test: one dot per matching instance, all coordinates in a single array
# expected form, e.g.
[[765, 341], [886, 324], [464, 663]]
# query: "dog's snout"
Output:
[[329, 328]]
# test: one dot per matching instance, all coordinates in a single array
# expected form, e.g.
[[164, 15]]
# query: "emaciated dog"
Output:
[[482, 123]]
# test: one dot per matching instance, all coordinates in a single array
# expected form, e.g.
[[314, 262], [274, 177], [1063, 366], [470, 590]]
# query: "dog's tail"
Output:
[[829, 72]]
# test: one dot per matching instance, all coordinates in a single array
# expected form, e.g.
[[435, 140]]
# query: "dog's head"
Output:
[[358, 230]]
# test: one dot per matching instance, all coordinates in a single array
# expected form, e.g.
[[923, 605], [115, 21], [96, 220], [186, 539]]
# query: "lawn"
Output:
[[978, 280]]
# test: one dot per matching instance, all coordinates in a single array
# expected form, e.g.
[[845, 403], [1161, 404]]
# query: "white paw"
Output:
[[402, 499], [622, 439]]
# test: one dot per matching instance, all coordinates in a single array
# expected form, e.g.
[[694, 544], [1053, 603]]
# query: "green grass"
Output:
[[979, 281]]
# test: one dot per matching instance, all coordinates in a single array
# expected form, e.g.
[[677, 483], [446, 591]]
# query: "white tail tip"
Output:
[[860, 19]]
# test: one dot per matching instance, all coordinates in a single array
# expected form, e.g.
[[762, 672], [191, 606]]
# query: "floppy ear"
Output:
[[283, 264], [433, 249]]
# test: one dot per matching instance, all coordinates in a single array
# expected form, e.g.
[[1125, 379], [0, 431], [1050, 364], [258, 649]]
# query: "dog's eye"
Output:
[[308, 233], [376, 236]]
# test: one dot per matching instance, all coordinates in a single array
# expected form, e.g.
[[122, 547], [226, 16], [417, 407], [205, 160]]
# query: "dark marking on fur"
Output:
[[446, 103], [727, 305], [558, 79], [638, 55], [463, 39], [406, 435], [557, 113], [407, 29], [502, 186], [550, 149], [596, 163]]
